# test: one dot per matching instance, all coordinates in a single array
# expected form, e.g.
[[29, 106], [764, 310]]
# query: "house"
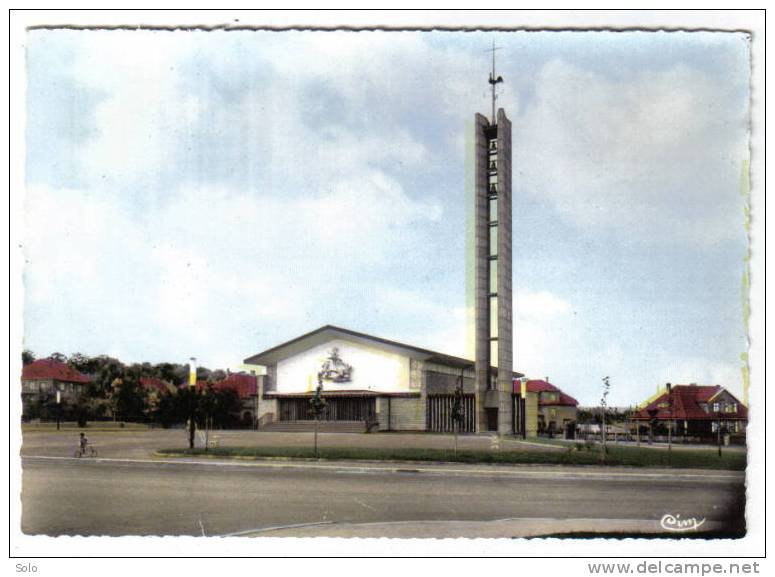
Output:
[[41, 379], [246, 387], [692, 411], [555, 410]]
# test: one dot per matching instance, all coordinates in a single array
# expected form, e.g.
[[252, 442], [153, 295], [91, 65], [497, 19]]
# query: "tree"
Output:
[[108, 370], [218, 375], [83, 364], [228, 407], [151, 405], [113, 395], [27, 357], [170, 372], [81, 410], [603, 407], [457, 411], [168, 409], [317, 405], [58, 357]]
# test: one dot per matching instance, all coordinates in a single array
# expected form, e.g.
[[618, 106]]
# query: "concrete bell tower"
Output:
[[489, 267]]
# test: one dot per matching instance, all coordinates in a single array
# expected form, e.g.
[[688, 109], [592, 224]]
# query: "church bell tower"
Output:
[[489, 266]]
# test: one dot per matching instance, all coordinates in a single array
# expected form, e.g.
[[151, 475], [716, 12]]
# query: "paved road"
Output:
[[142, 496]]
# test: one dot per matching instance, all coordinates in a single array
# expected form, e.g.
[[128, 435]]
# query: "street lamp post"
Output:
[[191, 391], [669, 417]]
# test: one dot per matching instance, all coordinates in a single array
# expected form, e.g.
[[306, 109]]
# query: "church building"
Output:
[[366, 378], [395, 386]]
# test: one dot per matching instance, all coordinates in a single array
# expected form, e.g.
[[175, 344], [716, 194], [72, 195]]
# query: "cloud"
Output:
[[184, 278], [224, 191], [543, 324], [657, 154]]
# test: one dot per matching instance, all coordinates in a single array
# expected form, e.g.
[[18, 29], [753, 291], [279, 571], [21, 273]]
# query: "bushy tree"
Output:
[[27, 357], [58, 357], [168, 410], [84, 364], [221, 405], [115, 392]]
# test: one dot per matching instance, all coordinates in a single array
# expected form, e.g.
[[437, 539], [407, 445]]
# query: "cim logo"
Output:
[[675, 523]]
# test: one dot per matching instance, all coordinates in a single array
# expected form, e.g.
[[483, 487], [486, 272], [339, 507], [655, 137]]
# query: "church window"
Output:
[[493, 317], [494, 209]]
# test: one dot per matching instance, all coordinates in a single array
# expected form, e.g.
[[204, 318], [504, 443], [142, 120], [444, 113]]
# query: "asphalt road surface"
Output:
[[139, 495]]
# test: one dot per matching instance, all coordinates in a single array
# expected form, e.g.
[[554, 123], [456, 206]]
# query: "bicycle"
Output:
[[88, 451]]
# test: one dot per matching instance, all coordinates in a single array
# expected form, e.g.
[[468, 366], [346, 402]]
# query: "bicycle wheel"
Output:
[[93, 452], [77, 454]]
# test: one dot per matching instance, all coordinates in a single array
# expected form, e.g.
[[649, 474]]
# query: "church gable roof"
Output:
[[329, 332]]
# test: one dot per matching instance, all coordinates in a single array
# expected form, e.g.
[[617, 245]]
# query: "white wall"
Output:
[[372, 369]]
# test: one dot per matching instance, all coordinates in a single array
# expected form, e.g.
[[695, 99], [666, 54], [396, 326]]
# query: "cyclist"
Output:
[[84, 442]]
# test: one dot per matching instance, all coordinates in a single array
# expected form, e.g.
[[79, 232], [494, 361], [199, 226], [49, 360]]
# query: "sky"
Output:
[[213, 194]]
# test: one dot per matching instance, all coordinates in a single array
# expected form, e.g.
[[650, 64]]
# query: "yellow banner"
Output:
[[192, 377]]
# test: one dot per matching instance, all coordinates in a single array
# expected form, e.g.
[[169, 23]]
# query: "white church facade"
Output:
[[368, 379]]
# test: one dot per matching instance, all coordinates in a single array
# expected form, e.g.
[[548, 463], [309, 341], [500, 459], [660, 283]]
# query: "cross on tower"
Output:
[[493, 78]]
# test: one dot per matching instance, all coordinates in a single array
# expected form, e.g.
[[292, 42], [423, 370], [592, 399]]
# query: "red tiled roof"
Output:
[[537, 386], [48, 369], [686, 401], [567, 400], [540, 386], [155, 383], [245, 385]]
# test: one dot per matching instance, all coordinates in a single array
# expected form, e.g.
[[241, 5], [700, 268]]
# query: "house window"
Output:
[[715, 407]]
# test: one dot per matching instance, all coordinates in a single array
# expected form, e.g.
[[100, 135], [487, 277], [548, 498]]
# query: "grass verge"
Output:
[[69, 427], [617, 456]]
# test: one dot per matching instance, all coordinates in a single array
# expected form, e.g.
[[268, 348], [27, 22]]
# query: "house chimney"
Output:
[[546, 379]]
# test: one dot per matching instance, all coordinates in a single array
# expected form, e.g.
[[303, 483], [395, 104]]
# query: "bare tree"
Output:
[[603, 410], [317, 405], [457, 411]]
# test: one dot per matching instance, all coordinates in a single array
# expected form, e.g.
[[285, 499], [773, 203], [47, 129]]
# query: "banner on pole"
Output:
[[192, 375]]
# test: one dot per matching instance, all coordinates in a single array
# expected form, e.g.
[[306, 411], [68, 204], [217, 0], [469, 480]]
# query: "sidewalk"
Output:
[[531, 471], [501, 528]]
